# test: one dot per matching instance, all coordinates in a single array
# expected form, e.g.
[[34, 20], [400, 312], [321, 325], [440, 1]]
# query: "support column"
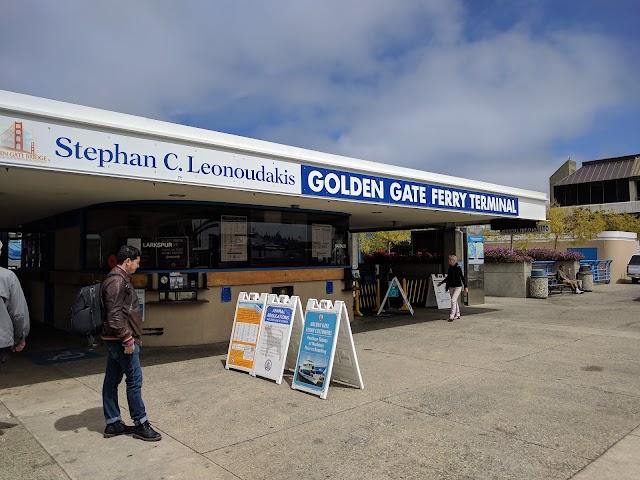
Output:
[[452, 245], [474, 267], [4, 256]]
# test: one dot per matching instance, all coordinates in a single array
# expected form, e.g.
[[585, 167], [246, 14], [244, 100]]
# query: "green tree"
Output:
[[372, 241], [584, 225], [557, 219], [622, 222]]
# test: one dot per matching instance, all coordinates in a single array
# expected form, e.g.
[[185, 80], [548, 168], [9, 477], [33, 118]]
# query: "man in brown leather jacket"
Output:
[[122, 329]]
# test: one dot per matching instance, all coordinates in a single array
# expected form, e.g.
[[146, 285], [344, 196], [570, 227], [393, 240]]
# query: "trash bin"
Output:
[[538, 284], [586, 276]]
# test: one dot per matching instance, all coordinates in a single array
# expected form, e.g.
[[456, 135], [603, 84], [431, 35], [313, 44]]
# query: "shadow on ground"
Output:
[[45, 338], [92, 419], [395, 318]]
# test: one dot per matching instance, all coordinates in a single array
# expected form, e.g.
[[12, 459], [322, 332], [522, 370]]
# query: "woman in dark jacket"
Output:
[[454, 281]]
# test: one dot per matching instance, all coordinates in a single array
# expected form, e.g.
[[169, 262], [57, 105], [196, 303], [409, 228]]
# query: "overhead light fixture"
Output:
[[376, 212], [295, 206], [179, 195]]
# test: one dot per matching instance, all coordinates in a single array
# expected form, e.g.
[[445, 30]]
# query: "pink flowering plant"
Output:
[[501, 254], [547, 254]]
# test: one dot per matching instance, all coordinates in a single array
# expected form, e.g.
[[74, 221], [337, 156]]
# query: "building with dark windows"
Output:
[[611, 184], [213, 214]]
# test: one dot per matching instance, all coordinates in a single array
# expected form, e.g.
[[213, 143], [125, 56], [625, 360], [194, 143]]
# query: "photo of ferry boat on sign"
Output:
[[312, 370]]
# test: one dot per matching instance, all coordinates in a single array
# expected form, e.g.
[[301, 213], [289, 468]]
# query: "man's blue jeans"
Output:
[[120, 364]]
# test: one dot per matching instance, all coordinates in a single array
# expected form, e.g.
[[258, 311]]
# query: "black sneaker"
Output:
[[146, 433], [117, 428]]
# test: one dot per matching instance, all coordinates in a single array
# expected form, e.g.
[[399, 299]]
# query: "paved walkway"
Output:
[[516, 389]]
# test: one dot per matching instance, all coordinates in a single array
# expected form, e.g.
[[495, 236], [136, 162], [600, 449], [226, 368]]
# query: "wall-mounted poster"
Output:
[[321, 237], [135, 242], [475, 249], [233, 238], [172, 252], [142, 295]]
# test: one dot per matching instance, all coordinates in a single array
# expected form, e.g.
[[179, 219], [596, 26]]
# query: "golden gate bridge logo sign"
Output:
[[18, 144]]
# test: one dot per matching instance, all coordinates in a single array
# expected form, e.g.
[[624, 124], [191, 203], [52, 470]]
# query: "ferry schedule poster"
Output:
[[245, 335], [316, 351], [274, 341]]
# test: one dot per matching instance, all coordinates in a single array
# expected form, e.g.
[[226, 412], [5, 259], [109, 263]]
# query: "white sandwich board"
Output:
[[437, 296], [245, 331], [326, 350], [281, 314], [395, 290]]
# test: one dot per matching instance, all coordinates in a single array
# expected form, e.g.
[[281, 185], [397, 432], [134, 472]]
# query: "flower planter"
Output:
[[507, 279]]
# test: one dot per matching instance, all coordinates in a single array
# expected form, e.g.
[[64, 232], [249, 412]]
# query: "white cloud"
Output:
[[381, 80]]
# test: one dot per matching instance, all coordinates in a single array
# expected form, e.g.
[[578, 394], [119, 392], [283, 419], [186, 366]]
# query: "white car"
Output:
[[633, 268]]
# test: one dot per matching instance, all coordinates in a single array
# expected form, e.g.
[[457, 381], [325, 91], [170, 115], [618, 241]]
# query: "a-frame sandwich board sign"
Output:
[[437, 295], [327, 351], [245, 331], [394, 290], [281, 314]]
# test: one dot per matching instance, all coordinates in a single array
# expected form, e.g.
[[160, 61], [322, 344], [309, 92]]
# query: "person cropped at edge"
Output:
[[14, 313], [562, 277], [122, 329], [454, 282]]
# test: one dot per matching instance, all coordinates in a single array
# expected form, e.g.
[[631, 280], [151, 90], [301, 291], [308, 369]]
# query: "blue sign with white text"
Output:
[[323, 182], [278, 314], [316, 350]]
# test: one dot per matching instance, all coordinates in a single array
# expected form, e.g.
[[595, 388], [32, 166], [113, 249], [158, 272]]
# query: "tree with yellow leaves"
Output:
[[374, 241]]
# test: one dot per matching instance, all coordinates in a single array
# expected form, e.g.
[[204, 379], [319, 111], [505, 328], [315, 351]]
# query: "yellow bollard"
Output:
[[356, 305], [404, 307]]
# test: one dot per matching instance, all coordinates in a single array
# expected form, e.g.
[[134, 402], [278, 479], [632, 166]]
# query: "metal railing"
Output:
[[601, 269], [547, 266]]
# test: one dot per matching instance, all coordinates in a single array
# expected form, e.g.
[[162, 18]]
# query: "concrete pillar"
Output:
[[4, 256], [633, 190], [452, 243], [475, 271], [455, 243]]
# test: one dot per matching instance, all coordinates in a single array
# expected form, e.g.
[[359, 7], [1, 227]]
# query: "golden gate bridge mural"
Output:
[[13, 138]]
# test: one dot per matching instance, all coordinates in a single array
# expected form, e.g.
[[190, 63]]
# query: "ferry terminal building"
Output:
[[213, 214]]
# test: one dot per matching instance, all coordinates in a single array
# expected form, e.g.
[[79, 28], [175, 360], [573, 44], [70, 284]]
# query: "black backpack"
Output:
[[86, 310]]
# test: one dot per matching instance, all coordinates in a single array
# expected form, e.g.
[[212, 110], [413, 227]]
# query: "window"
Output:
[[35, 250], [559, 193], [584, 194], [572, 195], [622, 190], [597, 192], [610, 191], [184, 236]]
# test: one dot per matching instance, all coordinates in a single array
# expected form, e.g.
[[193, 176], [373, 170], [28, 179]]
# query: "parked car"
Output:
[[633, 268]]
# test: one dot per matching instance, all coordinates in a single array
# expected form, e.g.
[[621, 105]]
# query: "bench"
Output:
[[557, 286]]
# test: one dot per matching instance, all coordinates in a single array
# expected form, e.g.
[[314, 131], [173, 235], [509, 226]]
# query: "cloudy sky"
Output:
[[493, 90]]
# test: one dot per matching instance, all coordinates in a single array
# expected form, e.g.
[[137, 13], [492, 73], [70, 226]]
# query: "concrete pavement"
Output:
[[518, 388]]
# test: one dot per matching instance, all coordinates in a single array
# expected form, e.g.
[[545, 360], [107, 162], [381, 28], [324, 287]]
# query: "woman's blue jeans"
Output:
[[120, 364]]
